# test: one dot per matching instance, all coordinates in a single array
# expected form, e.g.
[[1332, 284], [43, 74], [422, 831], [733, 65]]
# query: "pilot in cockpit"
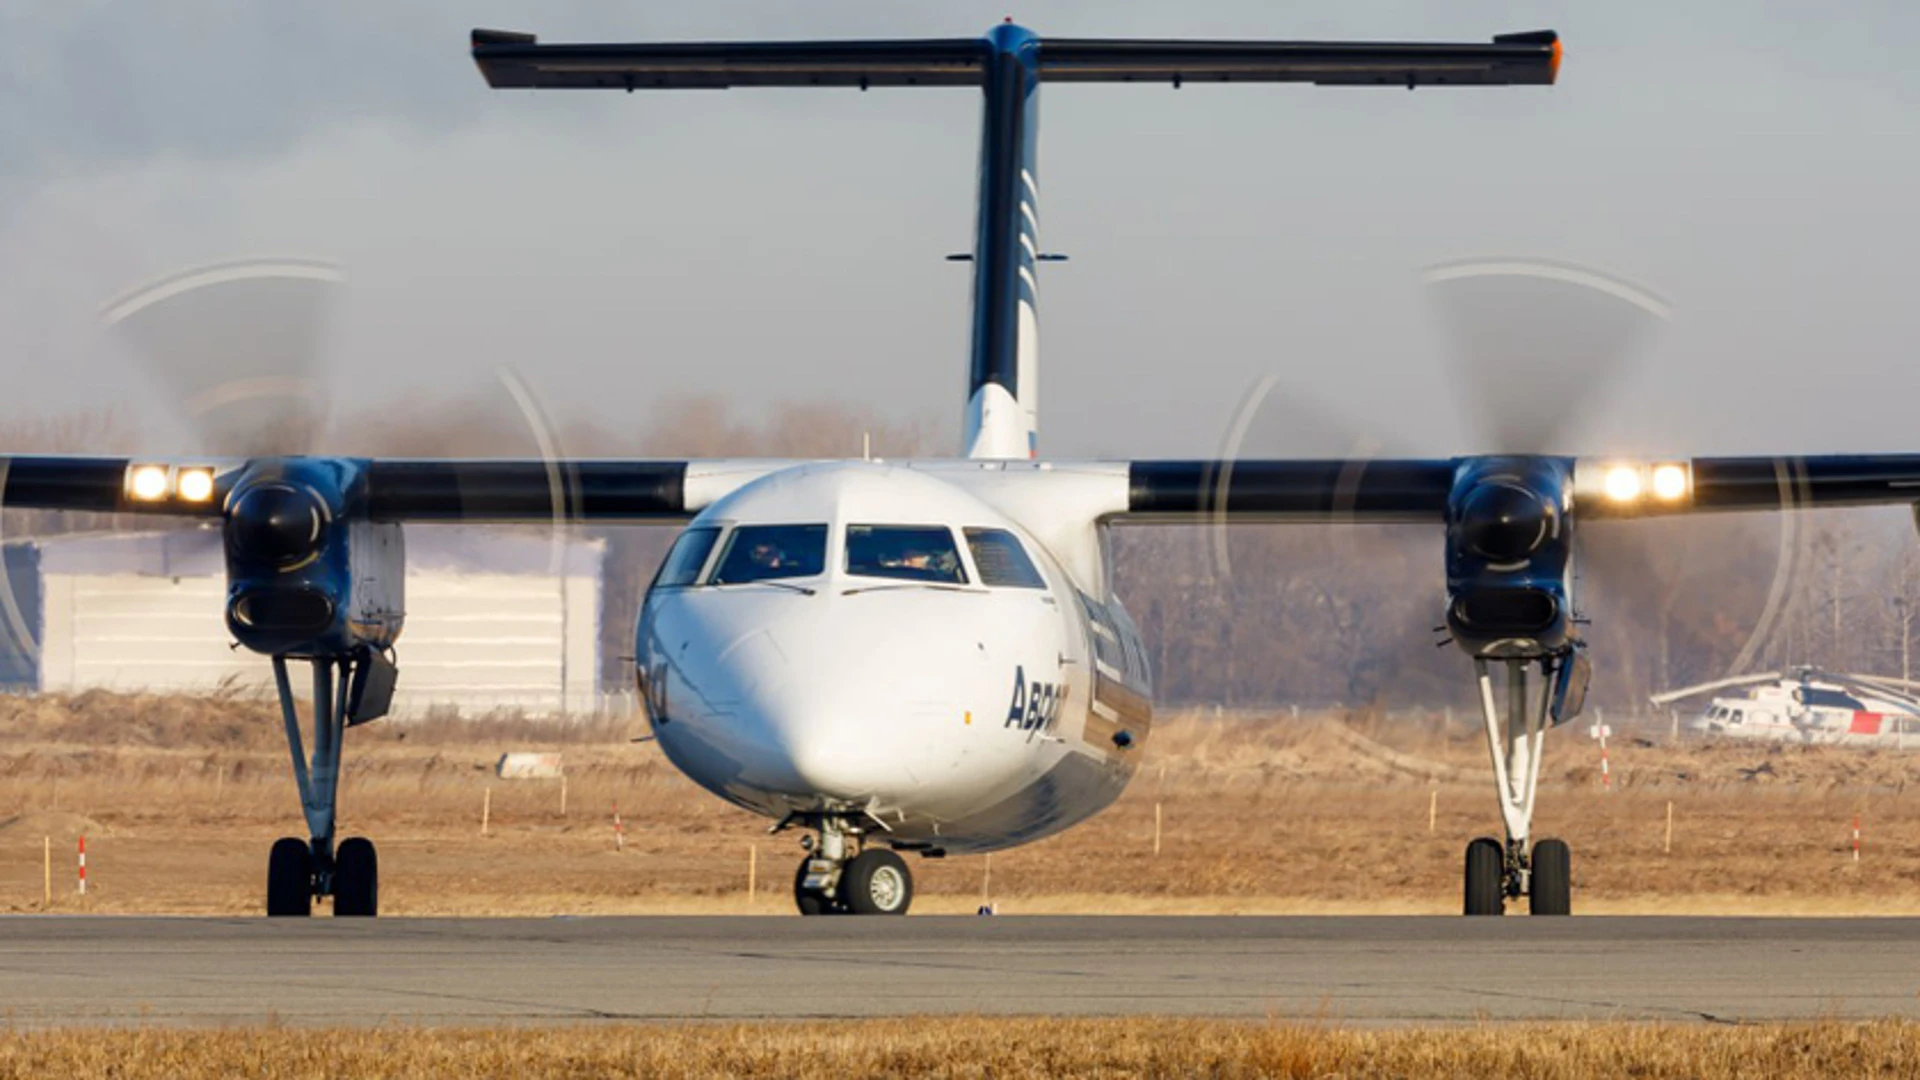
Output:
[[920, 561], [767, 555]]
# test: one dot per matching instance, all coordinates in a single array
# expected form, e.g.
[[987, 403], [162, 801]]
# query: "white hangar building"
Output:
[[495, 619]]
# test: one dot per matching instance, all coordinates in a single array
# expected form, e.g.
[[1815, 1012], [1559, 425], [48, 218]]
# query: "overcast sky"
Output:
[[1756, 164]]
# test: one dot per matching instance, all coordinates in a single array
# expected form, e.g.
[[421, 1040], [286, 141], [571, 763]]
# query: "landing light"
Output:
[[1623, 483], [196, 485], [147, 483], [1627, 487], [1669, 482]]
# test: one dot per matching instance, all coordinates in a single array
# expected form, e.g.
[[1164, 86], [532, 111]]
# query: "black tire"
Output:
[[290, 879], [1486, 871], [356, 879], [876, 882], [1551, 884], [808, 901]]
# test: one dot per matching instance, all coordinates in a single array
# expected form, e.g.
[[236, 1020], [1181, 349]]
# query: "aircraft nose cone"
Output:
[[856, 700], [837, 755], [858, 708]]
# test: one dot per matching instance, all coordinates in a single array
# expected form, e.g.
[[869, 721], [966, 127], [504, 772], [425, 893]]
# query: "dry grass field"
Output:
[[179, 800], [1002, 1049]]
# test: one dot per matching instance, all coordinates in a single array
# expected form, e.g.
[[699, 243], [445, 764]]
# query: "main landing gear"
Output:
[[1542, 870], [838, 877], [346, 691]]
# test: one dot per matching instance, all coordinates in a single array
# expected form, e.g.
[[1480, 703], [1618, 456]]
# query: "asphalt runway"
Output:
[[224, 972]]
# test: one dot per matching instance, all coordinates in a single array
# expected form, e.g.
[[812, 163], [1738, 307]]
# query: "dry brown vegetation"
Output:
[[180, 799], [970, 1047]]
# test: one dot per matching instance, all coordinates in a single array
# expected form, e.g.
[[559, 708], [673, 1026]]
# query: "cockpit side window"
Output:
[[1002, 561], [907, 552], [766, 552], [686, 558]]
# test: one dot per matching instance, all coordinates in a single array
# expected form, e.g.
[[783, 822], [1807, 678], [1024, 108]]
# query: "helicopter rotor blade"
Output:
[[1736, 681]]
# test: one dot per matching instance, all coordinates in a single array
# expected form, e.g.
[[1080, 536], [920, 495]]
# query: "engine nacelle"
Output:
[[307, 573], [1509, 557]]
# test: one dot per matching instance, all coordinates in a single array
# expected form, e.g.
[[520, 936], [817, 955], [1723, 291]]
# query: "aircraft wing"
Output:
[[389, 489], [1418, 489], [1763, 483], [92, 484], [512, 60], [1289, 490], [509, 490]]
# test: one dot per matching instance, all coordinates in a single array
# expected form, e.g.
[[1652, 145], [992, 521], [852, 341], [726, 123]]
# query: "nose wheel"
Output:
[[812, 897], [874, 881]]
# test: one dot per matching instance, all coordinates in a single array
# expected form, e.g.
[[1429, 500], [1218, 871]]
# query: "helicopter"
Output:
[[1807, 704]]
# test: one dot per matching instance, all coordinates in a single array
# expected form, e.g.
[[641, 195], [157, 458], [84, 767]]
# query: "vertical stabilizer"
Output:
[[1008, 65], [1003, 380]]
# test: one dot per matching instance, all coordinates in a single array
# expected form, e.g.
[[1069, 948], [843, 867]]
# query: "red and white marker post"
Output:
[[83, 863], [1600, 731], [619, 830]]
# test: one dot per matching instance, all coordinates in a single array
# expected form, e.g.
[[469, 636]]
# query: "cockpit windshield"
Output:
[[906, 552], [766, 552], [1001, 560], [688, 555]]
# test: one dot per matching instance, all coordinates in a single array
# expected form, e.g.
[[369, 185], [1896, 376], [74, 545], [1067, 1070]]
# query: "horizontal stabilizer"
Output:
[[515, 60], [512, 61], [1509, 60]]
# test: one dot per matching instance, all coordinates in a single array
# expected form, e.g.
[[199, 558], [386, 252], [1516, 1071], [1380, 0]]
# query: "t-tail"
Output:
[[1003, 378], [1008, 65]]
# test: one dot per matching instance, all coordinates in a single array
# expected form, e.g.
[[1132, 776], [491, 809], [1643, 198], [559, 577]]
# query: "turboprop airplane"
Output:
[[926, 656]]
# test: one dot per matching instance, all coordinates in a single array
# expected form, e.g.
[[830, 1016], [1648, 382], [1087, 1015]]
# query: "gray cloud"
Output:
[[1755, 167]]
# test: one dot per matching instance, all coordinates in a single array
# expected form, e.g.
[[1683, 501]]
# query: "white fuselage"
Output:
[[970, 713]]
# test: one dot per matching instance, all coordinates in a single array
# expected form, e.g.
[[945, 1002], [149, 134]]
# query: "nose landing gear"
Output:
[[836, 877]]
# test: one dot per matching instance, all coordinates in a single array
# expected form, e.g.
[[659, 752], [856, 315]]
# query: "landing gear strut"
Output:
[[1516, 728], [838, 877], [300, 870]]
